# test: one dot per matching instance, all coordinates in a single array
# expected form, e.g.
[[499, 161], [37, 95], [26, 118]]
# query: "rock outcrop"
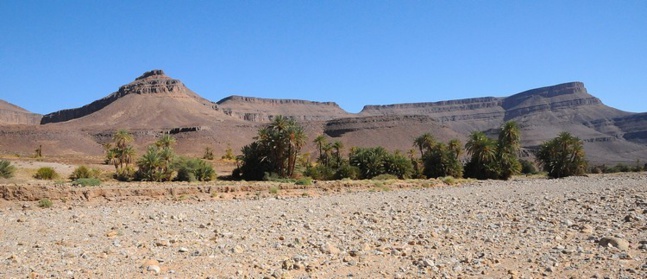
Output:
[[264, 110], [11, 114]]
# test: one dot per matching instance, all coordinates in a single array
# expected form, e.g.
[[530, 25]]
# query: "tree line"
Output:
[[276, 152]]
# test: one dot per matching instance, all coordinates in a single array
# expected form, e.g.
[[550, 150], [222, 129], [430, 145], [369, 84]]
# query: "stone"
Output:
[[616, 242], [328, 248]]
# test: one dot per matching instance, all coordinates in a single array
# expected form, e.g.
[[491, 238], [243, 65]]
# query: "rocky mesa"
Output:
[[155, 103]]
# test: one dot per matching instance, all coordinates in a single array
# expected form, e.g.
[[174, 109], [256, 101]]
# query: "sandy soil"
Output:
[[584, 227]]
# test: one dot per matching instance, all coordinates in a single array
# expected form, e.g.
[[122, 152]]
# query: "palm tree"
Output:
[[166, 141], [296, 139], [562, 156], [327, 153], [482, 150], [122, 138], [150, 164], [424, 143], [508, 149], [456, 147], [480, 147], [338, 146], [320, 141]]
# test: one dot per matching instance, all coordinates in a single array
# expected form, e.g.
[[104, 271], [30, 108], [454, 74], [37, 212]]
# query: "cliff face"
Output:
[[11, 114], [264, 110], [154, 82]]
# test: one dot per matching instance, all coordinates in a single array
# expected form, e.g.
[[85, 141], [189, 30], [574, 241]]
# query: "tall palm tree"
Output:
[[424, 143], [510, 136], [320, 141], [508, 150], [456, 147], [482, 150], [338, 146]]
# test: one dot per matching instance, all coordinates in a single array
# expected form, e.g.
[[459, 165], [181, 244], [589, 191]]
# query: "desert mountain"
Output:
[[11, 114], [152, 101], [610, 134], [155, 104]]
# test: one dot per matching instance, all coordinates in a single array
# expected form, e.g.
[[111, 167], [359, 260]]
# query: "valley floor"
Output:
[[524, 228]]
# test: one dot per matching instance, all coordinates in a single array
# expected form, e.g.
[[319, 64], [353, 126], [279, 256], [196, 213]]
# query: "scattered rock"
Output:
[[616, 242]]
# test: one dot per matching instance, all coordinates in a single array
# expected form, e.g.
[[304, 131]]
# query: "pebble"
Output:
[[521, 228]]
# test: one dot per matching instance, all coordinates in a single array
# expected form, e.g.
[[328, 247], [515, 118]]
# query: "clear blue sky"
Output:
[[64, 54]]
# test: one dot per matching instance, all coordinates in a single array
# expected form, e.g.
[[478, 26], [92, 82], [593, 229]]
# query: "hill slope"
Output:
[[11, 114]]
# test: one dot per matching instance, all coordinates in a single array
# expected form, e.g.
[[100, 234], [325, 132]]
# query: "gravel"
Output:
[[582, 227]]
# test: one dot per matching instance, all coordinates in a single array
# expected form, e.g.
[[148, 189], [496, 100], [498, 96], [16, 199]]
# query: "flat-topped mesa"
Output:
[[561, 98], [427, 108], [264, 110], [485, 108]]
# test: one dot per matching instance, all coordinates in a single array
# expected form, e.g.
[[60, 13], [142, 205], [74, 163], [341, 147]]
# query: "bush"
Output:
[[45, 203], [441, 161], [371, 162], [6, 169], [346, 171], [194, 170], [86, 182], [320, 172], [208, 153], [84, 172], [127, 173], [528, 167], [46, 173], [304, 181]]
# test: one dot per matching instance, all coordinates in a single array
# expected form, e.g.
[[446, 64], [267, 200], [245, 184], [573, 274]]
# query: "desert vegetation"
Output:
[[275, 155], [6, 169], [563, 156]]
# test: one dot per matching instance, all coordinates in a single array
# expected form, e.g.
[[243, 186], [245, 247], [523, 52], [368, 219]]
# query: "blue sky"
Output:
[[64, 54]]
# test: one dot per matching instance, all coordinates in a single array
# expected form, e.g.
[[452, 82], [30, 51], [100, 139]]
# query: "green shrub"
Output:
[[304, 181], [274, 190], [346, 171], [440, 161], [6, 169], [127, 173], [45, 203], [86, 182], [194, 170], [528, 167], [372, 162], [320, 172], [46, 173], [449, 180], [84, 172]]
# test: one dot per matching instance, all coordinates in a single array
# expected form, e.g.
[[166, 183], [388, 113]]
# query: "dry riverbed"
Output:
[[582, 227]]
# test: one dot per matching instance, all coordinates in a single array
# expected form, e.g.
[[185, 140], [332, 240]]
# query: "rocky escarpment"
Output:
[[152, 82], [11, 114], [633, 127], [559, 99], [485, 108], [263, 110]]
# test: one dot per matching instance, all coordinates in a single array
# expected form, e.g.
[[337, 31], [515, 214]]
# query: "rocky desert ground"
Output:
[[580, 227]]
